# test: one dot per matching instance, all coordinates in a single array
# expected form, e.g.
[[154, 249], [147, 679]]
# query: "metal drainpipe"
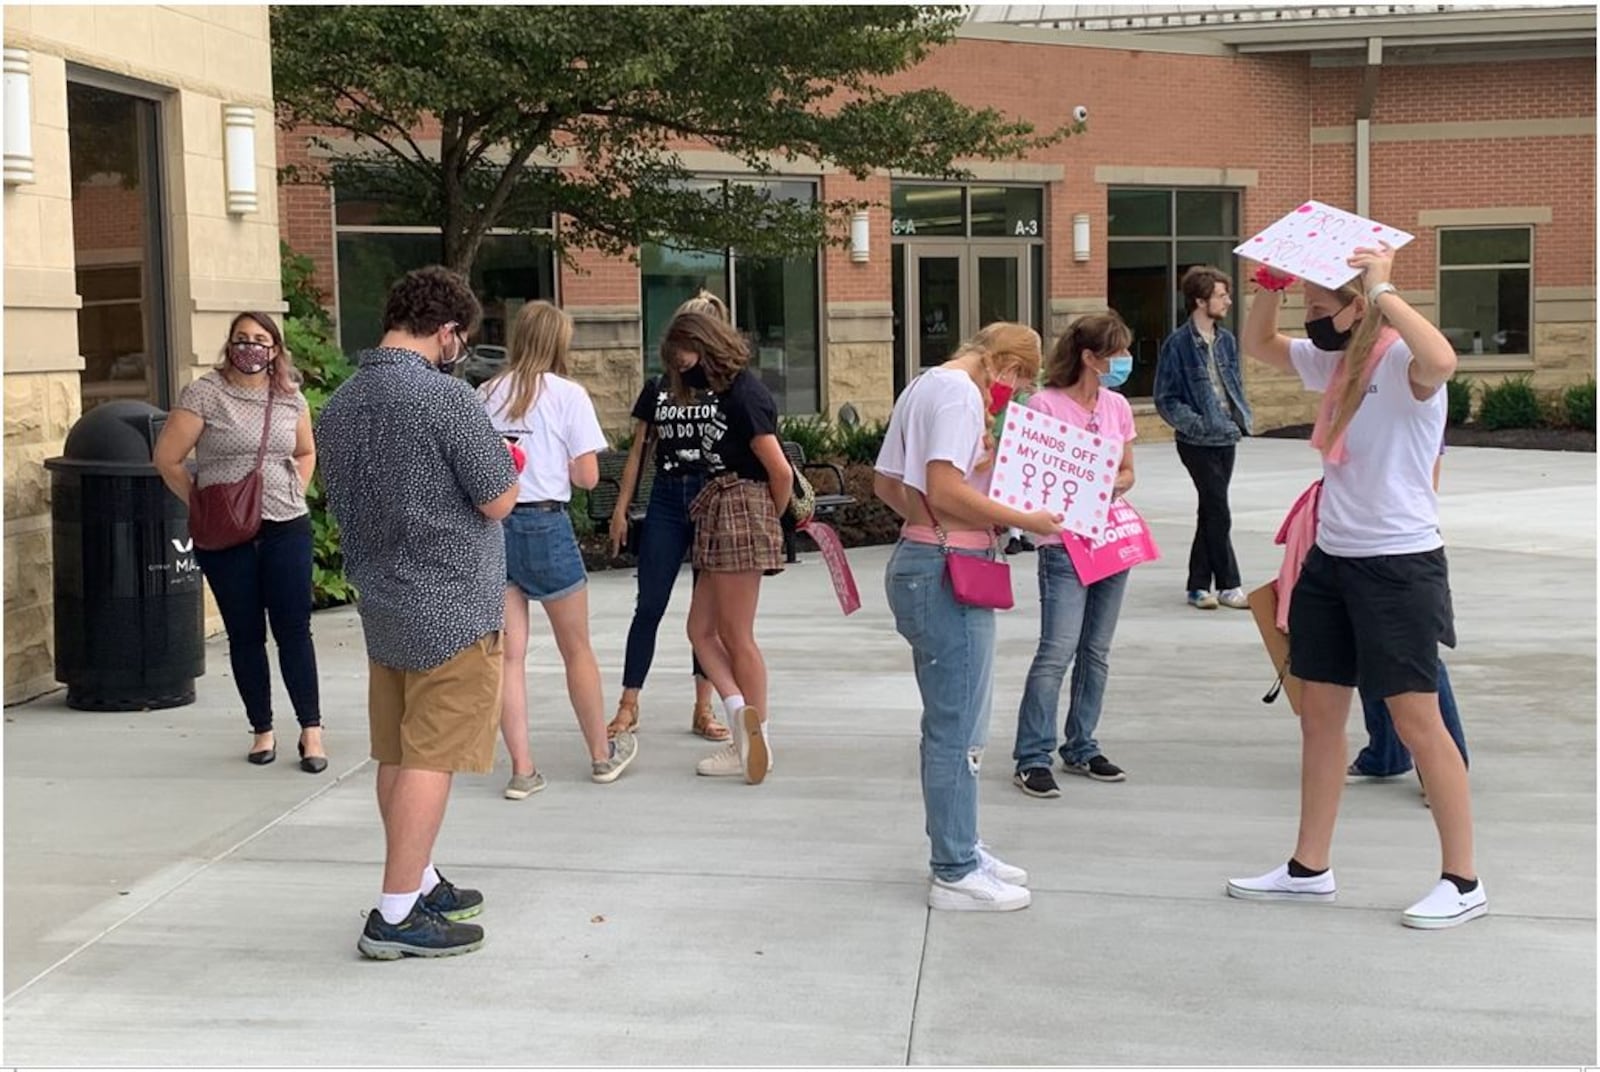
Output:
[[1368, 96]]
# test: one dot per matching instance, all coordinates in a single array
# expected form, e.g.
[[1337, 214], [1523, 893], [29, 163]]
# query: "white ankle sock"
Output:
[[395, 907], [430, 879], [733, 705]]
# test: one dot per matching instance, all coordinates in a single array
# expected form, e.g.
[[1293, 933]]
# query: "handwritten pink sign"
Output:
[[844, 581], [1046, 464], [1315, 242], [1125, 543]]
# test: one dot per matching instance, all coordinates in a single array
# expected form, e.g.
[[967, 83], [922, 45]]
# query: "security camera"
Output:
[[1080, 114]]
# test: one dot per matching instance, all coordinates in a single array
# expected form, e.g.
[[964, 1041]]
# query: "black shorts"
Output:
[[1374, 623]]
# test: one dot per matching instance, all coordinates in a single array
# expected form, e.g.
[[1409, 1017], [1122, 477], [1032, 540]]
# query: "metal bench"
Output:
[[827, 502], [603, 497]]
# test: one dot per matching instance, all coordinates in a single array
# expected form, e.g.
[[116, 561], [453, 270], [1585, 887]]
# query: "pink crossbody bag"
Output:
[[975, 582]]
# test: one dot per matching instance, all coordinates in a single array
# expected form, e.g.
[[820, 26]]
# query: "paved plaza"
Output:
[[167, 904]]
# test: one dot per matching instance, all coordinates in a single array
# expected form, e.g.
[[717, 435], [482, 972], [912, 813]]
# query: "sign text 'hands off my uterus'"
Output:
[[1046, 464]]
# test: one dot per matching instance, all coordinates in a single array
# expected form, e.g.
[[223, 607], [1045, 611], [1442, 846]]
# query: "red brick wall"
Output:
[[305, 210], [1167, 110]]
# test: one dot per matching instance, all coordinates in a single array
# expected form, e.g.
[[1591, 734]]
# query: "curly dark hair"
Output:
[[425, 300], [723, 352]]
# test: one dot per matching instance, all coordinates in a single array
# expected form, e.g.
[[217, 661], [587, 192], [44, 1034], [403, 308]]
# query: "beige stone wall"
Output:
[[859, 362], [605, 359], [200, 58]]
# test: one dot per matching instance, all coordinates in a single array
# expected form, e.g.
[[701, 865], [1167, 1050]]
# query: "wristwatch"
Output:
[[1379, 291]]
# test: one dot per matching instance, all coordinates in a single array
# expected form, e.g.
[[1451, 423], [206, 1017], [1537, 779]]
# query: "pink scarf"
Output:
[[1387, 337]]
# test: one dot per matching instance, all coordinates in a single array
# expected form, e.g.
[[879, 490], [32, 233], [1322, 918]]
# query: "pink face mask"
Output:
[[249, 357]]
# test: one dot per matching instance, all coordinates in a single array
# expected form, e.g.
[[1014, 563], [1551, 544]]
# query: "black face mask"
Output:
[[1324, 336], [695, 377]]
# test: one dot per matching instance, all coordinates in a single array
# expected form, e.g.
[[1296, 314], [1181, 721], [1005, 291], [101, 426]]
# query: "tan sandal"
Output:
[[627, 720], [706, 725]]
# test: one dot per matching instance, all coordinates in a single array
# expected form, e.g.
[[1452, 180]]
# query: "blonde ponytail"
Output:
[[1349, 384]]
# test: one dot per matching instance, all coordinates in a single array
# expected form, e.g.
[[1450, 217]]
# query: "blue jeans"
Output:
[[1075, 629], [665, 537], [1384, 756], [542, 555], [268, 579], [952, 650]]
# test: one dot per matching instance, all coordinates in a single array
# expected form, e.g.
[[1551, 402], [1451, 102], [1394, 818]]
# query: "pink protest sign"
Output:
[[1125, 543], [1315, 242], [1046, 464], [844, 582]]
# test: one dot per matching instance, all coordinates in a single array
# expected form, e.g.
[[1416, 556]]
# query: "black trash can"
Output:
[[130, 614]]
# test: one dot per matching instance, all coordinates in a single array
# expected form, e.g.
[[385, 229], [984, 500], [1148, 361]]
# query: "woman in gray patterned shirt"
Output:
[[220, 417]]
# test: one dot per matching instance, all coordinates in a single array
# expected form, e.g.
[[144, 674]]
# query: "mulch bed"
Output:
[[1471, 435]]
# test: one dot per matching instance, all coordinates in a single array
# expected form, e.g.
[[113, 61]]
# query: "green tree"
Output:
[[504, 92]]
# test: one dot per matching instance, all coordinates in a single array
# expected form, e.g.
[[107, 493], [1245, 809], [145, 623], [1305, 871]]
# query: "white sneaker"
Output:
[[1235, 598], [977, 891], [725, 762], [1007, 873], [1446, 906], [752, 737], [1279, 885]]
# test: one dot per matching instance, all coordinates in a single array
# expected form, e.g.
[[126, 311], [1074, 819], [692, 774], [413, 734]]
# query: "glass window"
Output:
[[113, 141], [774, 302], [927, 210], [669, 277], [775, 307], [509, 270], [1486, 289], [1138, 212], [1007, 212], [1147, 258]]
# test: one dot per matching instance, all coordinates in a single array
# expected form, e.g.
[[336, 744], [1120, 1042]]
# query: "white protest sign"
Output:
[[1316, 241], [1046, 464]]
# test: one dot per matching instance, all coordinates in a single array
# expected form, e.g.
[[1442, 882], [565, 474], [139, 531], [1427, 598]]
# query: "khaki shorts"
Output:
[[443, 719]]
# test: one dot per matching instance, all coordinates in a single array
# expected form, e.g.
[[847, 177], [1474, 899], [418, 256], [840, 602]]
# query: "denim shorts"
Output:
[[542, 557]]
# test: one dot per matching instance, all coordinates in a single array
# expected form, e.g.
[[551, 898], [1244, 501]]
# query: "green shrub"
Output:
[[578, 511], [861, 443], [1510, 404], [1578, 402], [1459, 391], [322, 367], [814, 434]]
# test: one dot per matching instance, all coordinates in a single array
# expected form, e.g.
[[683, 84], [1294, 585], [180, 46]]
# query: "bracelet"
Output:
[[1379, 291]]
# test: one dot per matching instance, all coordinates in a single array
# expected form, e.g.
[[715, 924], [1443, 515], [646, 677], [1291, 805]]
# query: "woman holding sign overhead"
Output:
[[933, 471], [1076, 621], [1372, 602]]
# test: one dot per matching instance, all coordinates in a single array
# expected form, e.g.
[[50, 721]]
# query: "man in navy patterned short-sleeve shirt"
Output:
[[418, 480]]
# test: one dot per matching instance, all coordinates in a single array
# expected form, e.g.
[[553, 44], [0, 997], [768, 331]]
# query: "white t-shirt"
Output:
[[1380, 501], [939, 418], [558, 428]]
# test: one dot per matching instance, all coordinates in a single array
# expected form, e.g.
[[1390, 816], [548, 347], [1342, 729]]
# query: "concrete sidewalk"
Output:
[[167, 904]]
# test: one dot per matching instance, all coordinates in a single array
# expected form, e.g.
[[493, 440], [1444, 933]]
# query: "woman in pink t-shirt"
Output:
[[1076, 621]]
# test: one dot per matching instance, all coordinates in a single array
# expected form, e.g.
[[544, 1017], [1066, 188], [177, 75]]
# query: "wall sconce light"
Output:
[[1080, 237], [860, 238], [18, 86], [239, 152]]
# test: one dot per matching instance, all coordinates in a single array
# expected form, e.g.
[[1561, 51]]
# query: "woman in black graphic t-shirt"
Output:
[[677, 429]]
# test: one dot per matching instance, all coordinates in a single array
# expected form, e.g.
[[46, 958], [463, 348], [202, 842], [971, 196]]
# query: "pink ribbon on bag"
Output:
[[832, 548]]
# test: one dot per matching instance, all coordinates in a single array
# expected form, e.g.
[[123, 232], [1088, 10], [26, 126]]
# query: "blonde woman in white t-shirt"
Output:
[[1372, 603], [552, 421], [935, 456]]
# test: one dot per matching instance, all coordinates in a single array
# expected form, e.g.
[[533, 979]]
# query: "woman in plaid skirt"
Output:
[[737, 536]]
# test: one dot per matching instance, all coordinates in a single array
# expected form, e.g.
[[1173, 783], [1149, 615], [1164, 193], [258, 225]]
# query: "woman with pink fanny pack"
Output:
[[933, 471]]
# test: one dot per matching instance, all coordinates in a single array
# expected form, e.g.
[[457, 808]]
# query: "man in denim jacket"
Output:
[[1200, 394]]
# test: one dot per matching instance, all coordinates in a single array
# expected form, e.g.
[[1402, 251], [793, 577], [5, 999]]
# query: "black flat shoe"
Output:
[[312, 764], [263, 757]]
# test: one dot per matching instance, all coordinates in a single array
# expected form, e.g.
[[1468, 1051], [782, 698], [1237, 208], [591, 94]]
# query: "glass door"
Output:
[[936, 304], [1004, 290]]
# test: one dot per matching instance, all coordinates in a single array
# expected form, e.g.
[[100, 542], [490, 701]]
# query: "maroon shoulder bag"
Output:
[[226, 515]]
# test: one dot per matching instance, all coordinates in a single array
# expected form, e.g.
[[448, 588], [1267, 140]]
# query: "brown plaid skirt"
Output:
[[736, 527]]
